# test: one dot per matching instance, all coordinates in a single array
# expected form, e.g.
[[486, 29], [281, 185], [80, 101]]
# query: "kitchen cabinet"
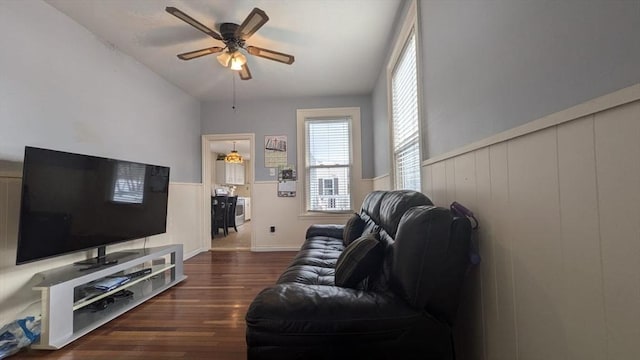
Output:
[[228, 173]]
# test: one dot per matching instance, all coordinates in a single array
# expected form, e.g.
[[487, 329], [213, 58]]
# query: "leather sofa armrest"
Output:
[[291, 308], [330, 230]]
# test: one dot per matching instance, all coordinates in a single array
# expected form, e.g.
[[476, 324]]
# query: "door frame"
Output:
[[206, 180]]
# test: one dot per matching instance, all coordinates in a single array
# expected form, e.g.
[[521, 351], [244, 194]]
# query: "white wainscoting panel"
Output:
[[580, 239], [282, 212], [16, 296], [559, 238], [285, 214], [184, 222], [427, 181], [382, 182], [537, 251], [439, 183], [617, 143], [501, 325], [461, 181]]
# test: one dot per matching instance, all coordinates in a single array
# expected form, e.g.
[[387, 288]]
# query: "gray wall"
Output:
[[491, 65], [278, 117], [62, 88], [382, 156]]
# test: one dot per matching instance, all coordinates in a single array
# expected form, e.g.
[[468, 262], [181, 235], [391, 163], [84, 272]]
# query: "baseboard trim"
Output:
[[192, 253], [275, 248]]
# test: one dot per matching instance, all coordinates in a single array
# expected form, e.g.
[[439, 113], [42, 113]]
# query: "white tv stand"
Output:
[[65, 319]]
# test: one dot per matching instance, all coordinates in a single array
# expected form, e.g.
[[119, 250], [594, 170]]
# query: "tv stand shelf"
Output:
[[65, 318]]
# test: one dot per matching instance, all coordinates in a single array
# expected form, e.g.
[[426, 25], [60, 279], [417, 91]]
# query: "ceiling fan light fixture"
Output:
[[237, 60], [224, 59], [234, 37]]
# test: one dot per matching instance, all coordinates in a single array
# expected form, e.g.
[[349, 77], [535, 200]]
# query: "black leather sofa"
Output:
[[403, 309]]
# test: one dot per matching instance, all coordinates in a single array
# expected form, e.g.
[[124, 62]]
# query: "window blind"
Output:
[[406, 136], [328, 160], [128, 186]]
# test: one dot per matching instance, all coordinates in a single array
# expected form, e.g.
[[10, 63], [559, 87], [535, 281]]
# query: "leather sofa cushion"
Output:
[[330, 230], [308, 275], [353, 229], [358, 260], [371, 205], [313, 310], [395, 204], [323, 243], [419, 257]]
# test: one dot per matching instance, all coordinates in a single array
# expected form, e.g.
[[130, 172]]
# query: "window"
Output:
[[405, 115], [128, 185], [328, 154], [326, 142], [328, 190]]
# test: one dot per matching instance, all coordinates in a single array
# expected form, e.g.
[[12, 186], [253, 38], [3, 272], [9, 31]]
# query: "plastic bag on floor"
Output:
[[18, 334]]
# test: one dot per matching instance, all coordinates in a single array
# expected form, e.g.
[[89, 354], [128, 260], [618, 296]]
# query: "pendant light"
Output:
[[233, 157]]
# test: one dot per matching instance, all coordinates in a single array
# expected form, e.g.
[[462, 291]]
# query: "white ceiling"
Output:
[[339, 45]]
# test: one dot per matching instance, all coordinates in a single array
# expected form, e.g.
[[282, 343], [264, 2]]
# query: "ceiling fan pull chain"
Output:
[[233, 78]]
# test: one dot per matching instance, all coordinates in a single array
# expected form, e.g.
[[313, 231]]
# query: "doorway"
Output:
[[228, 185]]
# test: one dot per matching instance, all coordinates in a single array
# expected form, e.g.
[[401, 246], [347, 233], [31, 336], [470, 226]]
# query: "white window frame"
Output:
[[409, 26], [355, 175]]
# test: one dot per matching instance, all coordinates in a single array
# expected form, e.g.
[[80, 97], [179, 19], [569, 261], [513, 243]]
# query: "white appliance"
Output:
[[240, 211]]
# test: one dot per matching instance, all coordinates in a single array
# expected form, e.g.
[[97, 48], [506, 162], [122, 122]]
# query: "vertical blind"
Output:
[[406, 140], [328, 161]]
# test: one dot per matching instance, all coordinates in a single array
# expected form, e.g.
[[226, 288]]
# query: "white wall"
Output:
[[284, 213], [557, 200], [63, 88], [184, 217]]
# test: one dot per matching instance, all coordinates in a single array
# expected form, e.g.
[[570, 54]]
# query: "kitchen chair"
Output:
[[219, 215], [231, 213]]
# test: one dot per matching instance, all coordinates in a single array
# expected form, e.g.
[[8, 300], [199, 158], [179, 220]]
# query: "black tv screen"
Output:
[[72, 202]]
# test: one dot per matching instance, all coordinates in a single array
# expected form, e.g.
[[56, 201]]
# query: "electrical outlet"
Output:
[[272, 229], [272, 171]]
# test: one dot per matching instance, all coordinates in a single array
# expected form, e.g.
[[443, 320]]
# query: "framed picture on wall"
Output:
[[275, 151]]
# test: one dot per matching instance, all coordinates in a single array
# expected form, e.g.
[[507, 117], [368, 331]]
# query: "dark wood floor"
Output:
[[201, 318]]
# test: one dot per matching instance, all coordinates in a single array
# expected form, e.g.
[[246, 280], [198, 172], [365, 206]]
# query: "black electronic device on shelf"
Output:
[[135, 274], [72, 202]]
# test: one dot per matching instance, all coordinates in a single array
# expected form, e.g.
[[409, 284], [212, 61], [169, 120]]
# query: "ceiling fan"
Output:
[[233, 36]]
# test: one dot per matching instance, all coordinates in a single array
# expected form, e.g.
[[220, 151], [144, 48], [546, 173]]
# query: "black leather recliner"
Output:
[[404, 310]]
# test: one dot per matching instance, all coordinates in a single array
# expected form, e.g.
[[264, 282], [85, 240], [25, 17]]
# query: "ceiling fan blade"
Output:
[[193, 22], [252, 23], [202, 52], [244, 73], [271, 55]]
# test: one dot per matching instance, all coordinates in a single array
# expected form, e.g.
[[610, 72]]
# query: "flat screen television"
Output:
[[73, 202]]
